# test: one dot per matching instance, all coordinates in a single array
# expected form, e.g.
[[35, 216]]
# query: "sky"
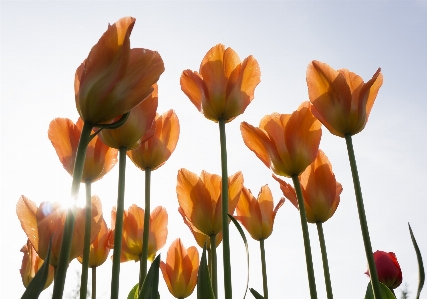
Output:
[[42, 44]]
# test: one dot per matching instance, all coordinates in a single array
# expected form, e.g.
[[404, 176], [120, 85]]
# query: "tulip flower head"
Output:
[[200, 198], [133, 230], [388, 269], [31, 263], [154, 152], [180, 269], [320, 189], [46, 221], [340, 99], [286, 143], [65, 136], [224, 86], [114, 78], [138, 127], [257, 215]]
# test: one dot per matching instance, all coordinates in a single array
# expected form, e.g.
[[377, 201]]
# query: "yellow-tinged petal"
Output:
[[31, 264], [158, 231]]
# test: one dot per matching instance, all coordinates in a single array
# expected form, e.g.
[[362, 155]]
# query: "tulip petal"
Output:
[[288, 191], [26, 211], [257, 141]]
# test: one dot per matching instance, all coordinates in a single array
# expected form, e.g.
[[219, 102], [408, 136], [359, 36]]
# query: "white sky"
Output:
[[42, 44]]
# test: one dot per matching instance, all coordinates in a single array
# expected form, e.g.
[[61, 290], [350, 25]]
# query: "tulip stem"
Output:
[[307, 247], [224, 195], [214, 273], [144, 255], [325, 260], [362, 218], [119, 225], [64, 254], [209, 260], [86, 250], [93, 282], [264, 269]]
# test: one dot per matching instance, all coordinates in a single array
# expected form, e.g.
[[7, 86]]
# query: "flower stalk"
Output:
[[61, 269], [362, 218], [264, 269], [307, 247], [144, 254], [214, 265], [119, 225], [93, 282], [324, 260], [86, 250]]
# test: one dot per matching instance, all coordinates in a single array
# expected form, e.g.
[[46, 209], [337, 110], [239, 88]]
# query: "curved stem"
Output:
[[93, 282], [325, 260], [264, 269], [214, 273], [307, 247], [224, 194], [64, 255], [362, 218], [119, 225], [144, 255], [86, 250]]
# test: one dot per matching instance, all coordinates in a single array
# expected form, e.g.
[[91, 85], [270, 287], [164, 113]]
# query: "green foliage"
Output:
[[256, 294], [150, 287], [421, 272], [385, 292], [204, 287]]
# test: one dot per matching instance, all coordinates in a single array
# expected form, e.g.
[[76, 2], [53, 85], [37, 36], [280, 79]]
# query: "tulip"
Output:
[[388, 269], [257, 215], [133, 229], [154, 152], [65, 136], [321, 191], [46, 221], [180, 269], [114, 78], [286, 143], [340, 99], [200, 198], [31, 263], [224, 86], [138, 127]]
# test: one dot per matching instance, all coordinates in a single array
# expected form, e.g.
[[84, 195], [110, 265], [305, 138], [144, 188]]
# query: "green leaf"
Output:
[[256, 294], [421, 272], [150, 287], [36, 285], [204, 287], [242, 234], [385, 292], [133, 292]]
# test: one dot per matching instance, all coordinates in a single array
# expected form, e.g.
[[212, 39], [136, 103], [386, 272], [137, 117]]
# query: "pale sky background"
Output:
[[42, 44]]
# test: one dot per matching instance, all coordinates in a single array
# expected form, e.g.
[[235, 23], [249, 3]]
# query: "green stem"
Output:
[[86, 250], [224, 194], [93, 282], [214, 265], [119, 225], [307, 247], [264, 269], [144, 255], [64, 254], [362, 218], [325, 260]]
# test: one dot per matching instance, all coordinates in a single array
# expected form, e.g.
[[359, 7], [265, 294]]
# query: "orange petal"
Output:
[[26, 211], [257, 141], [288, 191], [193, 86], [158, 231]]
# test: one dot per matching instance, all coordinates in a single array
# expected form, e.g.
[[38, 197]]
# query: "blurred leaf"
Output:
[[150, 287], [385, 292], [242, 234], [421, 272], [256, 294], [133, 293], [204, 287], [36, 285]]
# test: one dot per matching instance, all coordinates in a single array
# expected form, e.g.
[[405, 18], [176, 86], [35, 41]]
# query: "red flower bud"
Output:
[[388, 269]]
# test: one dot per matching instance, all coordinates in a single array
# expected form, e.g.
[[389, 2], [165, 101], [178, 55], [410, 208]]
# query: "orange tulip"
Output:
[[200, 198], [65, 136], [99, 248], [257, 215], [200, 237], [286, 143], [138, 127], [341, 100], [31, 263], [180, 269], [320, 190], [46, 221], [133, 229], [154, 152], [225, 86], [114, 78]]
